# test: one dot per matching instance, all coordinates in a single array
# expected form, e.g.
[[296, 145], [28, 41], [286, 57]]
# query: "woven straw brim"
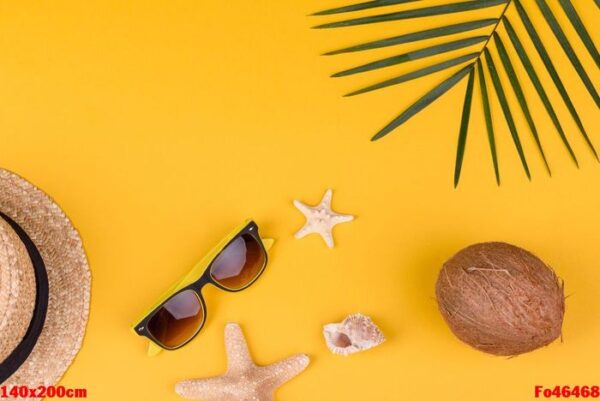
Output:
[[68, 279], [17, 290]]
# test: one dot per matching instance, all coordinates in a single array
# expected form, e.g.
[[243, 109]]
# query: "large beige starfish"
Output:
[[244, 380], [321, 219]]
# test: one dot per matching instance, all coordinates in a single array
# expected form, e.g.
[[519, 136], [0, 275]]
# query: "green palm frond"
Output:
[[421, 35], [539, 46], [580, 29], [414, 55], [488, 119], [564, 43], [417, 13], [512, 126], [363, 6], [464, 127], [473, 64]]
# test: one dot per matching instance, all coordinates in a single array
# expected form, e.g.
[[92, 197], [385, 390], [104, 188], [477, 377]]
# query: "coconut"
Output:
[[501, 299]]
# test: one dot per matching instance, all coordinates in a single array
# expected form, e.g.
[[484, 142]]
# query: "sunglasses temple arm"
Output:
[[153, 349], [268, 242]]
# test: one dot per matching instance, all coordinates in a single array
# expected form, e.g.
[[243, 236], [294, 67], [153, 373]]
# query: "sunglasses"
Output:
[[233, 265]]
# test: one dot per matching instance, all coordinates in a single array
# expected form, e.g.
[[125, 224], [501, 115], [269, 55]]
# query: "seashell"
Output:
[[355, 334]]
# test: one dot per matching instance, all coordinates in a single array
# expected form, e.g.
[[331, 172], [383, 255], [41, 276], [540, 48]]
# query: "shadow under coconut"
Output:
[[577, 310], [420, 274]]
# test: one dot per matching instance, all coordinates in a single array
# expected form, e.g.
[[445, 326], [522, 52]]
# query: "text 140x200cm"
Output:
[[16, 392]]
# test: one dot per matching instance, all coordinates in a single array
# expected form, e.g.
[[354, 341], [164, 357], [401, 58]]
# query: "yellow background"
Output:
[[160, 125]]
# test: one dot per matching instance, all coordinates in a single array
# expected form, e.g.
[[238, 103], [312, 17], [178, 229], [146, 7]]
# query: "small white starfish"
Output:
[[321, 219]]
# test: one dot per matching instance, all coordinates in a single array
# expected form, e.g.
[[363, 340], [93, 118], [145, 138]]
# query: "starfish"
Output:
[[244, 380], [321, 219]]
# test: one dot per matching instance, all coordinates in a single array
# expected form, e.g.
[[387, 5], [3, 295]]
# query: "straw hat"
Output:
[[44, 286]]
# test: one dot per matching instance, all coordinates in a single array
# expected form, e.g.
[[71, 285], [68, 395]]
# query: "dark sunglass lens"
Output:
[[178, 320], [239, 264]]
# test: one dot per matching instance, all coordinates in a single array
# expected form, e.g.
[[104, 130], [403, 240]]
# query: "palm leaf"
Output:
[[363, 6], [488, 119], [580, 29], [417, 74], [416, 36], [423, 102], [414, 55], [566, 46], [506, 110], [539, 46], [514, 81], [539, 87], [463, 56], [464, 128], [418, 13]]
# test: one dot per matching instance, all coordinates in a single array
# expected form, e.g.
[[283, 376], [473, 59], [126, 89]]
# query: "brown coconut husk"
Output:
[[501, 299]]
